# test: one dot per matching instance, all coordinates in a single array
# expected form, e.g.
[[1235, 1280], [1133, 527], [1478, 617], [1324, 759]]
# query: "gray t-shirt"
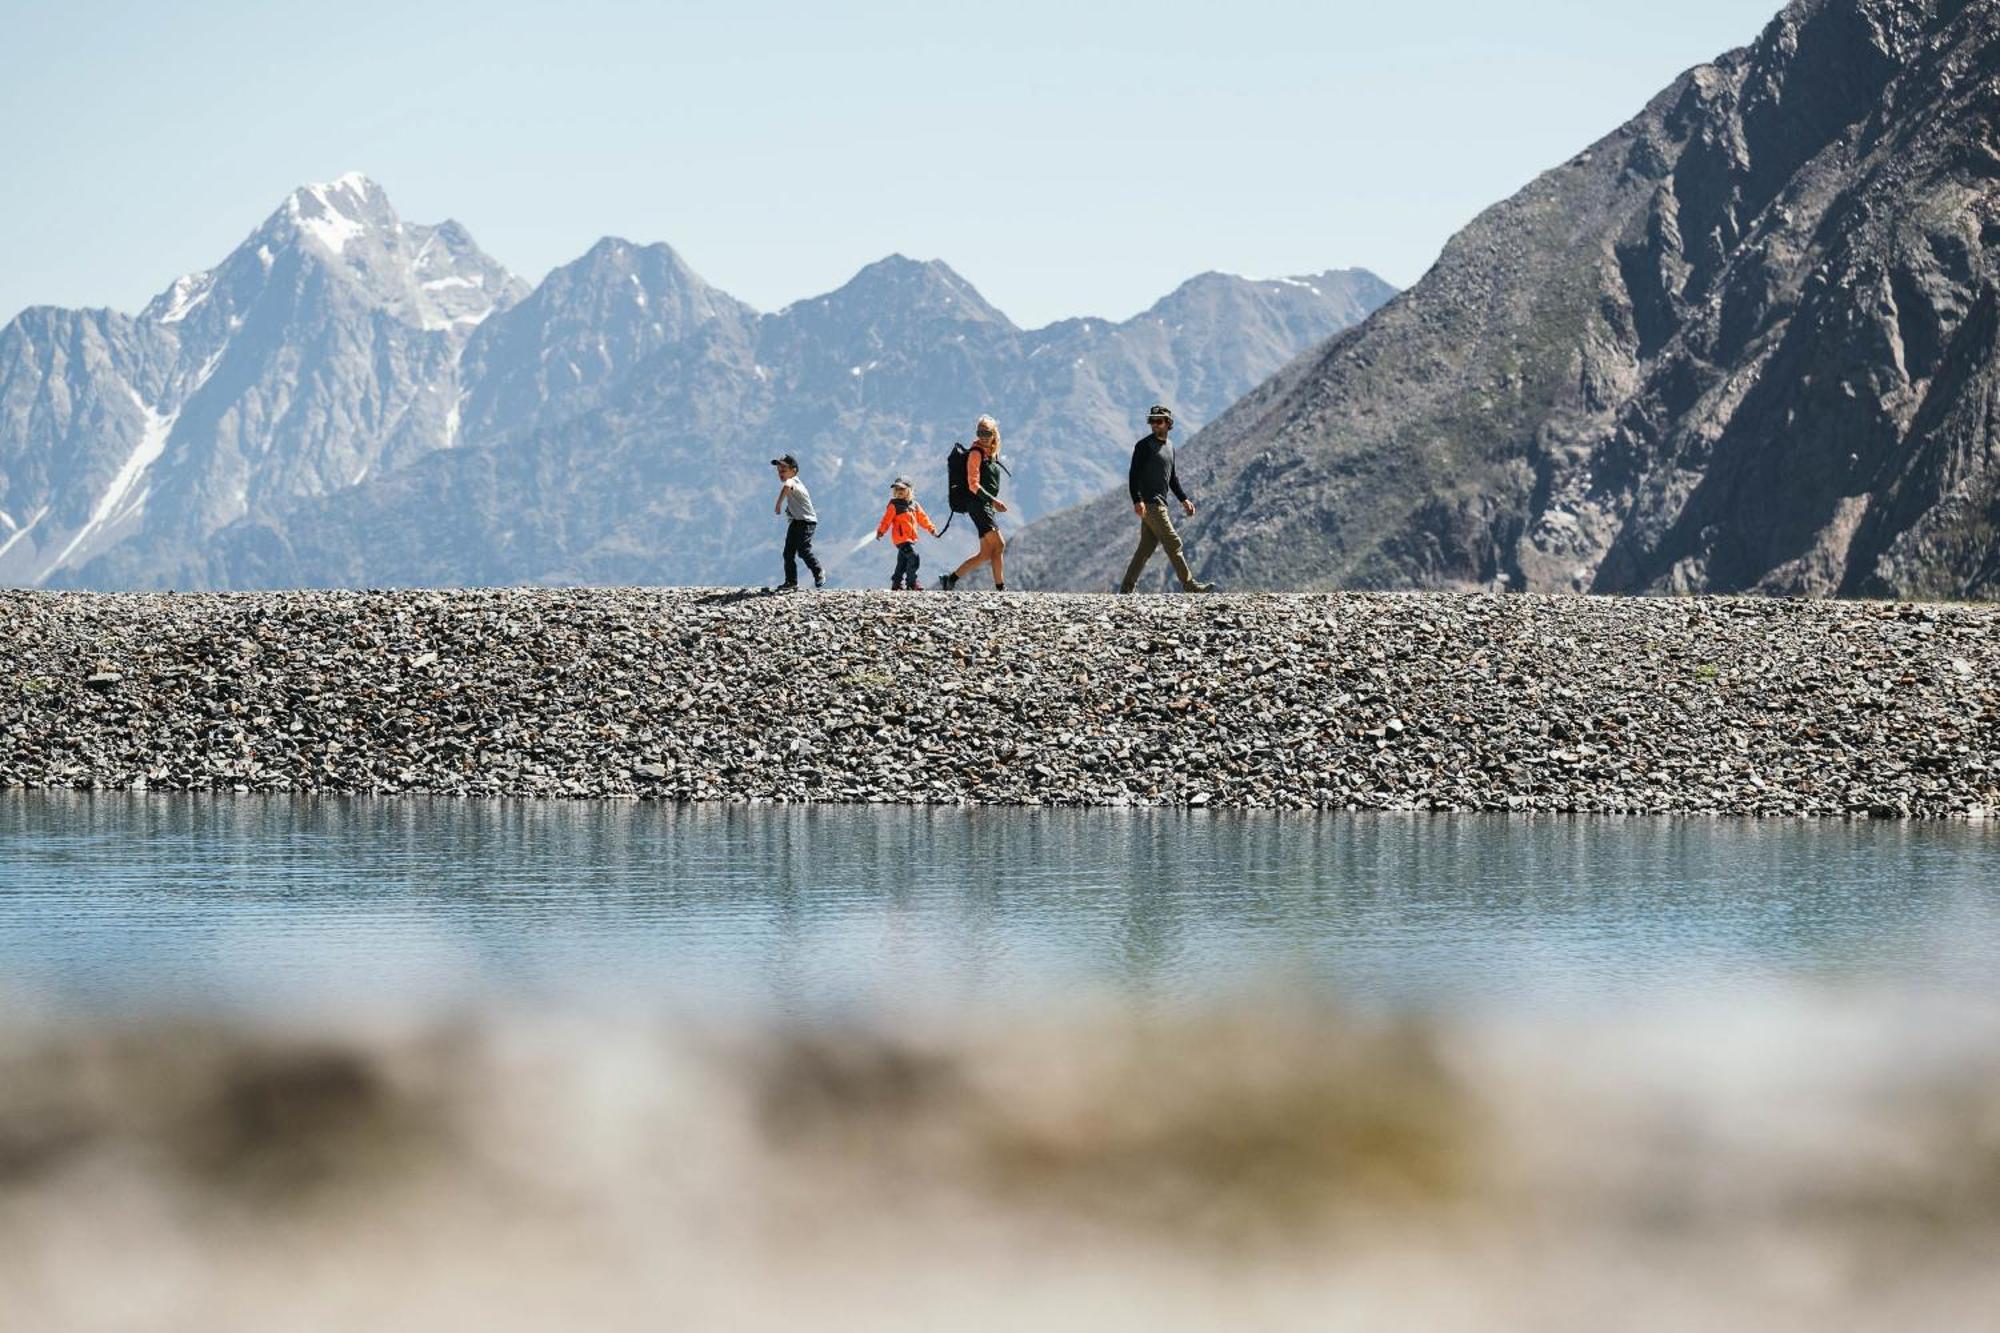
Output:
[[798, 502]]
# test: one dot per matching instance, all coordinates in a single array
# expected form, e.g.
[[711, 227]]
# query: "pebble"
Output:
[[1411, 702]]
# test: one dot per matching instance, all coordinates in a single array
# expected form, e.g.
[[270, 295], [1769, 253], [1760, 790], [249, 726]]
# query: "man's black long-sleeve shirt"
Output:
[[1153, 472]]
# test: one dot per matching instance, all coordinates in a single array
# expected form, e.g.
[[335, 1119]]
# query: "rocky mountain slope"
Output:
[[353, 399], [1747, 342]]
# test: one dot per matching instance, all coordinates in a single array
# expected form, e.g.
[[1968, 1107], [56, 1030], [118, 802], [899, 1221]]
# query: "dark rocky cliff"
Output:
[[1745, 343]]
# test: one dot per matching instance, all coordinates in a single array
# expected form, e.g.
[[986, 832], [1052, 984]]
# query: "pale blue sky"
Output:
[[1068, 158]]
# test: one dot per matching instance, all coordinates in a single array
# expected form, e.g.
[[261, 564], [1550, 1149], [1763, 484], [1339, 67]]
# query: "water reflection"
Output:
[[143, 900]]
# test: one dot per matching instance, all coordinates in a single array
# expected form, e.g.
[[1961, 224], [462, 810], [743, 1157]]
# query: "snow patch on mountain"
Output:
[[186, 294], [317, 218], [433, 322], [23, 531], [112, 506]]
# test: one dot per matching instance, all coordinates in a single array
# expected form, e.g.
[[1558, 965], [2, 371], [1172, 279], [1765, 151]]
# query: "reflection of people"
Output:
[[1151, 478], [982, 479], [900, 522], [794, 501]]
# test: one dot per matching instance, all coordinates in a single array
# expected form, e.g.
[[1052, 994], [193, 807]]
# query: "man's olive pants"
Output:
[[1156, 529]]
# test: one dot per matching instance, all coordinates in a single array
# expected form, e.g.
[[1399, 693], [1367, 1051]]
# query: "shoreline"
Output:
[[1340, 701]]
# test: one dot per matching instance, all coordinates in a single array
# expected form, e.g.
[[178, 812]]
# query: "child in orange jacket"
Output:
[[900, 522]]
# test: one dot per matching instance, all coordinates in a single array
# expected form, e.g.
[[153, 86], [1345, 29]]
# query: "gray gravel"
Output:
[[1360, 701]]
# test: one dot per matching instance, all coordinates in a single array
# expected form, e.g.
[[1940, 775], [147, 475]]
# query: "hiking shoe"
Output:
[[819, 580], [1200, 587], [786, 587], [946, 582]]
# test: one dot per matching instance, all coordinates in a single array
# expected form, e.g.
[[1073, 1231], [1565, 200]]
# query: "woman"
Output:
[[982, 478]]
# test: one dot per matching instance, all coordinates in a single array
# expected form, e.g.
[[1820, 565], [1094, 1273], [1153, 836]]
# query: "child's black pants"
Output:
[[799, 546], [906, 566]]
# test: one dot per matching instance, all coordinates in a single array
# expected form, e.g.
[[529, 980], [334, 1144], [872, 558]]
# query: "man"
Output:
[[1151, 478], [796, 503]]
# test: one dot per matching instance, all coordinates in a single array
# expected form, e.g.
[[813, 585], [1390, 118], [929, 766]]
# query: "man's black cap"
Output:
[[786, 460], [1156, 411]]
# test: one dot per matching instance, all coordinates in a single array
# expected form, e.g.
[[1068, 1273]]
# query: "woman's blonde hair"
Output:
[[987, 426]]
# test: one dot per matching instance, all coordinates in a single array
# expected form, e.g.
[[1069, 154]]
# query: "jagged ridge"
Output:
[[349, 398]]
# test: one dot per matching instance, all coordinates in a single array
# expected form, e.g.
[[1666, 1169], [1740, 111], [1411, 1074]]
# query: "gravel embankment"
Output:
[[1384, 702]]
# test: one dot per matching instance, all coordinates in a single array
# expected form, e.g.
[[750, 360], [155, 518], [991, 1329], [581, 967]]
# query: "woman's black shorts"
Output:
[[982, 518]]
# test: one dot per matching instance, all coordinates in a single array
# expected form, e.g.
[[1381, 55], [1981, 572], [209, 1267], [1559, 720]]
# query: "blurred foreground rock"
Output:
[[1808, 1161]]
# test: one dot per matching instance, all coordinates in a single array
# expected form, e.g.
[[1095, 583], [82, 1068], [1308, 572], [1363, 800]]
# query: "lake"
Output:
[[149, 903]]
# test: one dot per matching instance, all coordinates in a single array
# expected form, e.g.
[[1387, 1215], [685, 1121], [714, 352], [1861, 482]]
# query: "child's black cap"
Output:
[[785, 460]]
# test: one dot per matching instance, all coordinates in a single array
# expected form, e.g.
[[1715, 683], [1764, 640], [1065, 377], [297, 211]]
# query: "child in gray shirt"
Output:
[[796, 503]]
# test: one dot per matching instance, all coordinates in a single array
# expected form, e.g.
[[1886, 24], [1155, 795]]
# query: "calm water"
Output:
[[157, 902]]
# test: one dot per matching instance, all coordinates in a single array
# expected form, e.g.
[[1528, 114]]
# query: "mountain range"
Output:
[[350, 399], [1748, 342]]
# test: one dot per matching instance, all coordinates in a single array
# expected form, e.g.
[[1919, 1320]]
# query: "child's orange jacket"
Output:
[[902, 525]]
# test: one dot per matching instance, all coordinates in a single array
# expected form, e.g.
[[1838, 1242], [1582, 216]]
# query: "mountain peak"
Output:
[[577, 335], [1355, 293], [900, 268], [340, 211], [617, 251], [352, 185], [616, 271], [436, 278], [902, 283]]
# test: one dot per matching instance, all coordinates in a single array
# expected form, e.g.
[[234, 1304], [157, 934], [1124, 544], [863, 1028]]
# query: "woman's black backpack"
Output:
[[958, 493]]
